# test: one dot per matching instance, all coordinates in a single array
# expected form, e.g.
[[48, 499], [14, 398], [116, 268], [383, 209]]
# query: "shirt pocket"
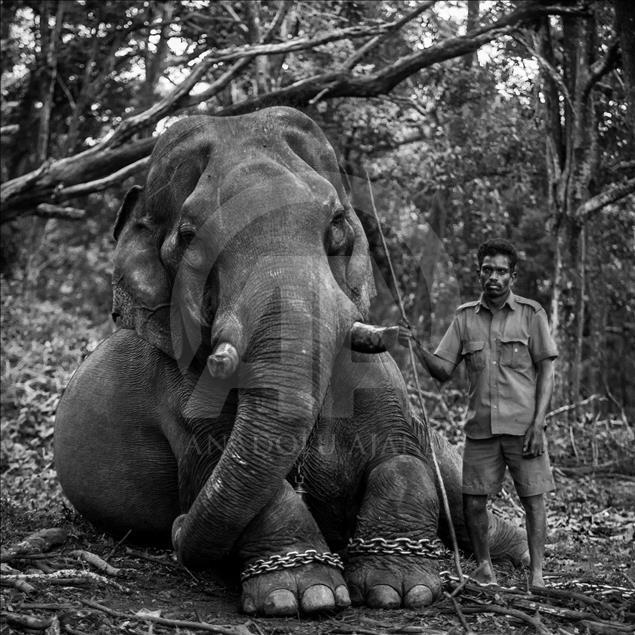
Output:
[[474, 354], [515, 352]]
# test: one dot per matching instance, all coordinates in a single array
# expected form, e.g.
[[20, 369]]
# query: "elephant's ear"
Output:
[[141, 285], [359, 270]]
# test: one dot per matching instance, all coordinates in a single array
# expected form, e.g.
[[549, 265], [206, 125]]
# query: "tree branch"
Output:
[[357, 57], [602, 67], [47, 210], [22, 194], [102, 184], [614, 193]]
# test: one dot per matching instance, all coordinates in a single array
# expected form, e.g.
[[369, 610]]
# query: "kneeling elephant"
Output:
[[242, 368]]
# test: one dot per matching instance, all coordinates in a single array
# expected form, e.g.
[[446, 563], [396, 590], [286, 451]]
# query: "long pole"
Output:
[[425, 434]]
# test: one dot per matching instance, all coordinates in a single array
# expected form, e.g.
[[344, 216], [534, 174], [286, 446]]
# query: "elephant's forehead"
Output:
[[233, 150], [210, 172]]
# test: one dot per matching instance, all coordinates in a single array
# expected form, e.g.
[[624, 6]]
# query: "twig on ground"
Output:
[[156, 559], [563, 594], [201, 626], [111, 553], [68, 577], [96, 561], [459, 613], [26, 621], [46, 606], [502, 610], [606, 628], [15, 582], [573, 406], [609, 467], [37, 542]]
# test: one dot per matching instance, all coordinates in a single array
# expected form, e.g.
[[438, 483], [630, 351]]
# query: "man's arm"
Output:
[[533, 444], [439, 368]]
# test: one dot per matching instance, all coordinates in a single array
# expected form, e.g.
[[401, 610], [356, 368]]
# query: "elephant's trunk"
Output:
[[283, 377]]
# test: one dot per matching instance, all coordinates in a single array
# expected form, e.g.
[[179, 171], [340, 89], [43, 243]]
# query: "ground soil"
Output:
[[590, 550]]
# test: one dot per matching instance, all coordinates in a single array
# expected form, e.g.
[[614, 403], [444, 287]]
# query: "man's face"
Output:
[[496, 277]]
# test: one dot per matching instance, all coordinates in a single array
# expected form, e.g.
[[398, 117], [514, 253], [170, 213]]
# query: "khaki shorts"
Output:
[[484, 462]]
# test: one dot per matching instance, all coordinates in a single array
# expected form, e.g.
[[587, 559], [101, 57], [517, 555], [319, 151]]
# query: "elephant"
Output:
[[244, 408]]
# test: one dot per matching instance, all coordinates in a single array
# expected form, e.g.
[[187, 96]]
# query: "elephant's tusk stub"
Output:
[[366, 338], [223, 362]]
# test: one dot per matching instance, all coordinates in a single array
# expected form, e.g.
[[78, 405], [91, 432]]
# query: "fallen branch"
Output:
[[18, 584], [48, 210], [146, 556], [573, 406], [501, 610], [118, 544], [39, 541], [201, 626], [606, 628], [96, 561], [68, 577], [459, 613], [610, 467], [26, 621]]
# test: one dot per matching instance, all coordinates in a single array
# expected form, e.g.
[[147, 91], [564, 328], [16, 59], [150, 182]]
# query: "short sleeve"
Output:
[[450, 347], [541, 344]]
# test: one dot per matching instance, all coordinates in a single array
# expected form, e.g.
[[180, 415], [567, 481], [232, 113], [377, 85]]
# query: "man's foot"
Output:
[[536, 580], [484, 574]]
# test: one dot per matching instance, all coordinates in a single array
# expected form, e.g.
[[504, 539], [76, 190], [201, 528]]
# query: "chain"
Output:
[[396, 546], [290, 560]]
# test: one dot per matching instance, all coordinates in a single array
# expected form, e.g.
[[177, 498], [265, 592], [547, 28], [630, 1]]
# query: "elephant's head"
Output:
[[244, 250]]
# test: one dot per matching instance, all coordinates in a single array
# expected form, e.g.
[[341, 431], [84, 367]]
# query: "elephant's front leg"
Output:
[[285, 533], [399, 515]]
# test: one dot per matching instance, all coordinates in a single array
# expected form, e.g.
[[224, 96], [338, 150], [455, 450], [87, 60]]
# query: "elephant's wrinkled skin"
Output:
[[239, 271]]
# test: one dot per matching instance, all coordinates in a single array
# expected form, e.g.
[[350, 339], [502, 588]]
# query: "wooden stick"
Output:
[[426, 426], [491, 608], [39, 541], [70, 577], [123, 539], [26, 621], [459, 613], [96, 561], [201, 626]]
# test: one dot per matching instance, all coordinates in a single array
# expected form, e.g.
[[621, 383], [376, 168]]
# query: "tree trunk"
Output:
[[625, 27], [49, 41]]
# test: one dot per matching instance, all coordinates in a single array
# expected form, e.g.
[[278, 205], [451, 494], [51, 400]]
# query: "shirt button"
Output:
[[494, 363]]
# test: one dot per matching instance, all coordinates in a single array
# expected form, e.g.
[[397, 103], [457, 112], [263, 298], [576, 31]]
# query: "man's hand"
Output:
[[533, 443], [406, 335]]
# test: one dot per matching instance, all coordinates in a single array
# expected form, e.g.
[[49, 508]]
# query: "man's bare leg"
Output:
[[536, 519], [477, 523]]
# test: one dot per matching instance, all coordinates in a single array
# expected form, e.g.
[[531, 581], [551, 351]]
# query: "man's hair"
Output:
[[496, 246]]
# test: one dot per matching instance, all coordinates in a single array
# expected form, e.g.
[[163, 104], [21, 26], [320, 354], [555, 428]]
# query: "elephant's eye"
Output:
[[338, 232], [187, 232]]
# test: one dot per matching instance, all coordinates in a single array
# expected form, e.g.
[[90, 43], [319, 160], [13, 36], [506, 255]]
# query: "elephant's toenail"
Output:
[[281, 602], [317, 598], [342, 598], [249, 606], [383, 596], [418, 597]]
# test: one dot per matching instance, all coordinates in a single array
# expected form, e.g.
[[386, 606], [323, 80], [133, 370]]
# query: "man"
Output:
[[505, 342]]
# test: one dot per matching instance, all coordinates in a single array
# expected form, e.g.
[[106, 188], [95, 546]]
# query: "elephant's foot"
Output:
[[306, 589], [392, 582], [287, 567], [389, 565]]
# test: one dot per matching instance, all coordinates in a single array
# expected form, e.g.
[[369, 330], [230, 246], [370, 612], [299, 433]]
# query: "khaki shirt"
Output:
[[500, 350]]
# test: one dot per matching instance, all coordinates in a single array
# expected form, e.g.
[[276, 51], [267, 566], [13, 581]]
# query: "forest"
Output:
[[456, 121]]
